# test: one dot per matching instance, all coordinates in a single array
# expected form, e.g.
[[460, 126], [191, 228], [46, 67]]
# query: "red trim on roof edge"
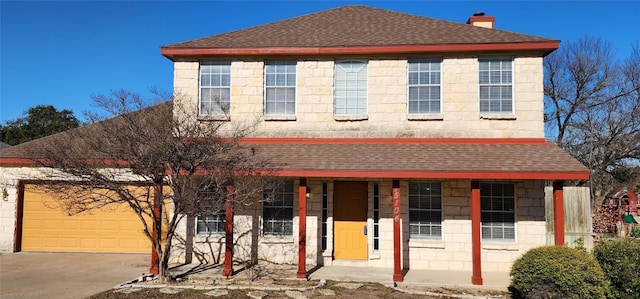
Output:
[[306, 140], [548, 46], [570, 175], [42, 162]]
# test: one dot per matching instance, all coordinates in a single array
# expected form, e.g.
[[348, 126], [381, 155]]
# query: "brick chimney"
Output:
[[480, 20]]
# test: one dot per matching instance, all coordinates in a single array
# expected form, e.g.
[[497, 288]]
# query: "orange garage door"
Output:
[[111, 229]]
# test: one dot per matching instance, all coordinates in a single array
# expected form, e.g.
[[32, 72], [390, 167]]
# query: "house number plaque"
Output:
[[396, 204]]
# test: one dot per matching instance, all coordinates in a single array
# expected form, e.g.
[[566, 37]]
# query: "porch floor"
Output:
[[412, 278]]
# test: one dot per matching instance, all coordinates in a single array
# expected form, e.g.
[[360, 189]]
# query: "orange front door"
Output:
[[350, 220]]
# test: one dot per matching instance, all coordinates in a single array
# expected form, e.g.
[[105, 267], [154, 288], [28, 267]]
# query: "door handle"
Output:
[[365, 230]]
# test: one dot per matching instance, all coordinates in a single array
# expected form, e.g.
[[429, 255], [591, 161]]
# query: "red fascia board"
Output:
[[79, 183], [34, 162], [303, 140], [552, 175], [400, 49]]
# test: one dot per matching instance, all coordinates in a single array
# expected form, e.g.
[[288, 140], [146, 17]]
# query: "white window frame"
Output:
[[496, 203], [425, 224], [496, 83], [279, 202], [282, 82], [208, 193], [341, 86], [218, 221], [218, 81], [376, 217], [426, 79]]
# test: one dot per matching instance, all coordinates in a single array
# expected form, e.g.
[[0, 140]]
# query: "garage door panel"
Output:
[[48, 228], [111, 225], [70, 224]]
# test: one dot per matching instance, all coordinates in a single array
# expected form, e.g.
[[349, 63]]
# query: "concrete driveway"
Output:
[[66, 275]]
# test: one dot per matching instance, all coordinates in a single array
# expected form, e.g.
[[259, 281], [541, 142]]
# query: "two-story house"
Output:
[[406, 142]]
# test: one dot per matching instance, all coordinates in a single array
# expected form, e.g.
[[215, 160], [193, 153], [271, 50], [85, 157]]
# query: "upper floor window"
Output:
[[280, 87], [277, 210], [425, 210], [497, 206], [350, 95], [210, 203], [496, 85], [215, 87], [424, 86]]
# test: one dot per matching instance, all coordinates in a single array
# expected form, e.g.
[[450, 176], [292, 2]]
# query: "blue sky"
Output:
[[62, 53]]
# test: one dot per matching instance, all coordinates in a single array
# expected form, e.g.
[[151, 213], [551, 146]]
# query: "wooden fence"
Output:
[[577, 216]]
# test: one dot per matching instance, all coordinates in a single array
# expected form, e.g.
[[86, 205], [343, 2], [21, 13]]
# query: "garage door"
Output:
[[111, 229]]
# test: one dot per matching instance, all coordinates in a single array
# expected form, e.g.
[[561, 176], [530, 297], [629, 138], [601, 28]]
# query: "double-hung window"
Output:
[[215, 88], [424, 86], [496, 85], [425, 210], [497, 205], [280, 87], [211, 200], [277, 210], [350, 88]]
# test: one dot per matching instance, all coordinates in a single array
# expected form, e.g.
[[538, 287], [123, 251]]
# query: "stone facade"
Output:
[[387, 117], [452, 252], [387, 101]]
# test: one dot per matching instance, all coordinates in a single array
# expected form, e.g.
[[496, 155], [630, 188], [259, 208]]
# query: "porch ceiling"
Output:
[[411, 158]]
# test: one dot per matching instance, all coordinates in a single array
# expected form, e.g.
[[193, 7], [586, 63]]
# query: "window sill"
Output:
[[425, 117], [374, 255], [500, 246], [268, 239], [350, 117], [214, 117], [279, 117], [424, 243], [506, 116], [208, 238]]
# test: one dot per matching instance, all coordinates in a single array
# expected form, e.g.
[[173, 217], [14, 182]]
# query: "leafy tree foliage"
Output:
[[620, 261], [39, 121], [592, 110]]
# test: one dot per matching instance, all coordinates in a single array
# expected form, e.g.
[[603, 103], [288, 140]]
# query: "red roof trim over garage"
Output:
[[546, 46]]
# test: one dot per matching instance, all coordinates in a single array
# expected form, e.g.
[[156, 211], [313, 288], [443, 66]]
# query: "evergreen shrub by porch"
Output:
[[620, 261], [557, 272]]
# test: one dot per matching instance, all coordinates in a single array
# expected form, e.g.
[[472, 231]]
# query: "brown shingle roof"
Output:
[[37, 148], [357, 26], [480, 160]]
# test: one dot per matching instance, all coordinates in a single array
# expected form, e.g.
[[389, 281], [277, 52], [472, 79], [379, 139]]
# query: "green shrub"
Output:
[[557, 272], [635, 231], [620, 261]]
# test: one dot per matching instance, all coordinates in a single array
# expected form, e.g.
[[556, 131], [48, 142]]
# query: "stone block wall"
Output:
[[387, 101], [250, 245], [454, 251]]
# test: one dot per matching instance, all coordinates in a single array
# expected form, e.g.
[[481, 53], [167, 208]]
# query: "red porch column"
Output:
[[157, 228], [302, 232], [476, 278], [395, 197], [558, 213], [228, 237]]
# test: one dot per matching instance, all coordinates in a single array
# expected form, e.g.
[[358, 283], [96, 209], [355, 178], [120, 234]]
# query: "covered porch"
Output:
[[468, 162]]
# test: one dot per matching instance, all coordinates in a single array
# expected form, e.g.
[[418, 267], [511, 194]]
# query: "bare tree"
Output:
[[150, 157], [592, 109]]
